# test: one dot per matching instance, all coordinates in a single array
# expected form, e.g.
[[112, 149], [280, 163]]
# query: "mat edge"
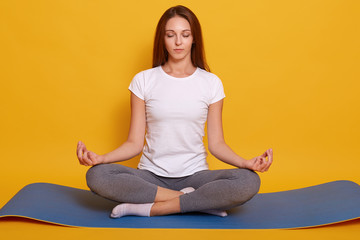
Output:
[[75, 226]]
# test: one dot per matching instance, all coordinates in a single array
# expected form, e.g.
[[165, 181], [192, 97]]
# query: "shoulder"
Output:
[[143, 80], [215, 86], [147, 73], [209, 77]]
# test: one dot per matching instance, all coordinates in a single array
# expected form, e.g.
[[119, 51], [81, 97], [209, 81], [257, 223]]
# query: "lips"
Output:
[[178, 50]]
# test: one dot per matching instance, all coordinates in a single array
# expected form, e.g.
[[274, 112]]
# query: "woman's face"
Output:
[[178, 38]]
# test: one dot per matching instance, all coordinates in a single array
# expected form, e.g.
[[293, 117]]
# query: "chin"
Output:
[[179, 57]]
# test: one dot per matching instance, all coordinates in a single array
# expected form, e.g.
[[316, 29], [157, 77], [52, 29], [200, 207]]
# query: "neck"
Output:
[[179, 68]]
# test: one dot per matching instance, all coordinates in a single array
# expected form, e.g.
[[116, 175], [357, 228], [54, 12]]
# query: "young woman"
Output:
[[170, 104]]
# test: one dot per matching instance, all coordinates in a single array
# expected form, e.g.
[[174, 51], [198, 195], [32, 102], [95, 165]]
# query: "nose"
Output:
[[178, 40]]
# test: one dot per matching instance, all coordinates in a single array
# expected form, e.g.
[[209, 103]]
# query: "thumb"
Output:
[[92, 156], [96, 159]]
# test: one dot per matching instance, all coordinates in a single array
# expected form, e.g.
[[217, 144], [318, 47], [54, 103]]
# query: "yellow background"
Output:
[[290, 71]]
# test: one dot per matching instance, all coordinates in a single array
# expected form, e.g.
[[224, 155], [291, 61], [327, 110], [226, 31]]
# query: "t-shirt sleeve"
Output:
[[217, 91], [137, 86]]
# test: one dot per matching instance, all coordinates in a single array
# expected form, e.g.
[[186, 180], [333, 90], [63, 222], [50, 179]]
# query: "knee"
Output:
[[253, 183], [94, 176], [247, 187]]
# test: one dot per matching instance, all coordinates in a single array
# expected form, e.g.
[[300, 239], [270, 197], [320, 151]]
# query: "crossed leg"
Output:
[[146, 194]]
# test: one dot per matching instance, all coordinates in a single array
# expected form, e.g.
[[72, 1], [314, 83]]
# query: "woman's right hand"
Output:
[[86, 157]]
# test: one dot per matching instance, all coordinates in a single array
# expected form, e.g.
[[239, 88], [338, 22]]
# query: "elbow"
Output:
[[211, 149], [135, 146], [215, 146], [138, 148]]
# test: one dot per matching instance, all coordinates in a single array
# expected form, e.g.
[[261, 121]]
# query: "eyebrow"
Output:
[[186, 30]]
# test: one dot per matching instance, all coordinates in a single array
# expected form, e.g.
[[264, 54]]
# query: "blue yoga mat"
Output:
[[312, 206]]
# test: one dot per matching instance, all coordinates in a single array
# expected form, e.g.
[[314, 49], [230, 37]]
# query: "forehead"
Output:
[[177, 23]]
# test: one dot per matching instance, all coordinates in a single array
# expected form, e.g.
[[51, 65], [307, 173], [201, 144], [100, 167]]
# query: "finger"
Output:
[[79, 152], [255, 164], [268, 165], [89, 156], [270, 160], [86, 159], [267, 168], [264, 160], [82, 153], [259, 164], [82, 158], [92, 157], [83, 146], [263, 164], [268, 153]]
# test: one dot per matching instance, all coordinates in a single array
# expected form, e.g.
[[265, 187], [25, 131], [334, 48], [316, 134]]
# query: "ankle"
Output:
[[171, 206]]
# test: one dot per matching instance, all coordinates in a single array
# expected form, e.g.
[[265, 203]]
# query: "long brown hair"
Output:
[[160, 54]]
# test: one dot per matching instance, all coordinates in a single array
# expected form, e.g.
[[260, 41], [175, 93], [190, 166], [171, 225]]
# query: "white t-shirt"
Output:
[[176, 112]]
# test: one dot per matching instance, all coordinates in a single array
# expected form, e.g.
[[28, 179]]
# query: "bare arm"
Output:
[[130, 148], [219, 148]]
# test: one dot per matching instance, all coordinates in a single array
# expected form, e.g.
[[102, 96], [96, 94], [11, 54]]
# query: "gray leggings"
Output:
[[215, 189]]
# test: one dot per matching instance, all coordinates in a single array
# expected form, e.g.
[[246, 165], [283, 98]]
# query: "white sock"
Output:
[[219, 213], [212, 212], [187, 190], [125, 209]]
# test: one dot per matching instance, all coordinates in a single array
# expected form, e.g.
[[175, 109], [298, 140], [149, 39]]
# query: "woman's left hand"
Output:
[[260, 163]]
